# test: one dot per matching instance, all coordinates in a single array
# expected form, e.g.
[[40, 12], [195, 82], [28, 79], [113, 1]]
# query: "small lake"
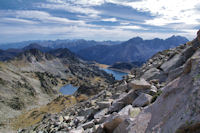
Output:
[[68, 89], [117, 74]]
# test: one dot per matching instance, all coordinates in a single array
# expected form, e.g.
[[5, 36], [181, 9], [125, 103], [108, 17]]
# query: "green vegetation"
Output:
[[156, 96]]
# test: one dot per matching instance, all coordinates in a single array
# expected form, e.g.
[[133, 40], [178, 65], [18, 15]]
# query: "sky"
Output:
[[22, 20]]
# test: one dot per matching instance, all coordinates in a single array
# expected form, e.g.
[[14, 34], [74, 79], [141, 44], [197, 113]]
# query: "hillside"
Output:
[[33, 78], [162, 96], [133, 50]]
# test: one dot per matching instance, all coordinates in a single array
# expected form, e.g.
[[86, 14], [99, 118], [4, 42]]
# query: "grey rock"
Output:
[[123, 101], [178, 60], [101, 113], [61, 119], [80, 118], [89, 130], [174, 73], [139, 84], [87, 111], [134, 112], [126, 110], [122, 127], [153, 90], [99, 129], [142, 100], [102, 119], [116, 106], [104, 104], [80, 130], [108, 94], [122, 88], [66, 118], [152, 73], [173, 63], [110, 126], [87, 125], [177, 108]]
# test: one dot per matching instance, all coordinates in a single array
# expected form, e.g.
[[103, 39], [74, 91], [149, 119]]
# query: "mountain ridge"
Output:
[[133, 50]]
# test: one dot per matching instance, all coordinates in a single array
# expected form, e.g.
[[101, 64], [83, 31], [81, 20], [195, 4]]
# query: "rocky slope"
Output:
[[163, 96], [33, 78]]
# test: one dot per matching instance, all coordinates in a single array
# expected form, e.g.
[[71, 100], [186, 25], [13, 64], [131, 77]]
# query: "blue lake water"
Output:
[[118, 75], [70, 89]]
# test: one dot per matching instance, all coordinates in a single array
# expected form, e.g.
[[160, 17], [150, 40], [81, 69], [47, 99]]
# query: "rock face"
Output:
[[177, 109]]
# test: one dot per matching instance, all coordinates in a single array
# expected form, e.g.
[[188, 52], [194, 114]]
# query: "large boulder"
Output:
[[139, 84], [110, 126], [122, 127], [174, 73], [126, 110], [142, 100], [178, 60], [154, 73], [123, 101]]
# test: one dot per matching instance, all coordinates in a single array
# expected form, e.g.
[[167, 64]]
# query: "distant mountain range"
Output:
[[133, 50], [105, 52], [73, 45]]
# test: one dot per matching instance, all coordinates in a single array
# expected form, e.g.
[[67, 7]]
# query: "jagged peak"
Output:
[[37, 46], [176, 37], [34, 53], [136, 39]]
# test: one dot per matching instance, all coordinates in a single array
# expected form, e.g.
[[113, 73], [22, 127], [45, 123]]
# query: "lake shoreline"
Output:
[[119, 70], [104, 66]]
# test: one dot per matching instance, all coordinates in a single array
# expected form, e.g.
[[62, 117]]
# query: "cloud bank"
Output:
[[97, 19]]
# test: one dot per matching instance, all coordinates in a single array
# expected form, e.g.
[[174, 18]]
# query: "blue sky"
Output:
[[22, 20]]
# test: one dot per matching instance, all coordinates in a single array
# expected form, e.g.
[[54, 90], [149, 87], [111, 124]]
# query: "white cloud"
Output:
[[17, 20], [131, 27], [175, 15], [44, 17], [74, 8], [76, 32], [88, 2], [110, 19], [124, 23], [168, 11]]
